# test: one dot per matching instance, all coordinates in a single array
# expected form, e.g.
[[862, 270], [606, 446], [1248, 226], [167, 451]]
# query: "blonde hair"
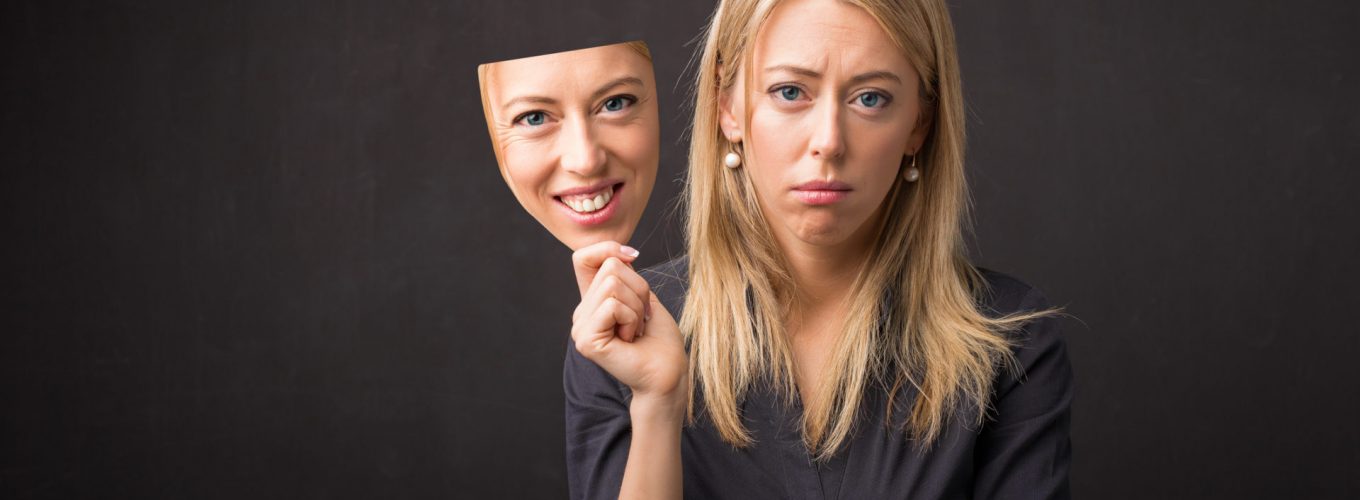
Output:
[[931, 331]]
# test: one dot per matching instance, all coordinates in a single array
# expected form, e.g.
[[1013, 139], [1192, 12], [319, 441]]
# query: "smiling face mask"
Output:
[[577, 137]]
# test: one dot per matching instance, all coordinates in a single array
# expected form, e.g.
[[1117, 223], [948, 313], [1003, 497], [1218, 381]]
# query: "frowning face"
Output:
[[577, 137], [833, 113]]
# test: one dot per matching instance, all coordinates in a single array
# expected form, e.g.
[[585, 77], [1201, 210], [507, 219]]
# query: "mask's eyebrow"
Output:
[[594, 96], [613, 84], [528, 99], [857, 79]]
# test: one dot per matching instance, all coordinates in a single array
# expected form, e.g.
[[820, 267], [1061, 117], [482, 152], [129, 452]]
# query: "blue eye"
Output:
[[618, 102], [532, 118], [790, 93], [872, 99]]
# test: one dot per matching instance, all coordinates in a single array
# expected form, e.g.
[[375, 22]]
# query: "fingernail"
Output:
[[629, 251], [647, 311]]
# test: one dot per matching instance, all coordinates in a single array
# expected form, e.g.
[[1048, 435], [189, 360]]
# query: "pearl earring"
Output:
[[911, 174], [732, 160]]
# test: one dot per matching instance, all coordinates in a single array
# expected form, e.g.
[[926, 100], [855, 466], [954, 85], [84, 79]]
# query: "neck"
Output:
[[822, 273]]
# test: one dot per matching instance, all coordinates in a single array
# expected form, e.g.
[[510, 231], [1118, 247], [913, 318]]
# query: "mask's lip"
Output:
[[588, 188], [602, 215]]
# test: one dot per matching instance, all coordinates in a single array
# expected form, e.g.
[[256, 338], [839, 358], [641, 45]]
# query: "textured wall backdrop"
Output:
[[261, 249]]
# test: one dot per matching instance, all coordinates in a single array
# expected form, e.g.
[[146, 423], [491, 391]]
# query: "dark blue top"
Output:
[[1022, 452]]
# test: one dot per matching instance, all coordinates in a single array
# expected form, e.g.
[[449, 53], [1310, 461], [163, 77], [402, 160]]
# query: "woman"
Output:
[[834, 342]]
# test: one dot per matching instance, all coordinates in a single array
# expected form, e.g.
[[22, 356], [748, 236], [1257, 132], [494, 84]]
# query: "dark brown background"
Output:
[[261, 249]]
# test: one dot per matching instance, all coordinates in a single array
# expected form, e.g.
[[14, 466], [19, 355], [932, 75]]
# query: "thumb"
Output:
[[586, 262], [659, 320]]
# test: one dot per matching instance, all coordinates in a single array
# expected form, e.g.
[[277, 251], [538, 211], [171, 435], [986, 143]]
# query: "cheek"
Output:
[[883, 152], [636, 147], [879, 161], [528, 167], [777, 142], [779, 138]]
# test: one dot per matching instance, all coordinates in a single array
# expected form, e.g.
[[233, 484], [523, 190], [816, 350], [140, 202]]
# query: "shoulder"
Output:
[[1024, 448], [1040, 345], [1002, 294], [670, 282]]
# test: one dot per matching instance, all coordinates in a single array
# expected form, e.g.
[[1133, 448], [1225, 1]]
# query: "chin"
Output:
[[578, 238], [820, 229], [820, 236]]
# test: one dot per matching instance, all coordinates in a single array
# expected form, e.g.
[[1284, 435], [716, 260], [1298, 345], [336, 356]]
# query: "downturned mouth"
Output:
[[823, 186]]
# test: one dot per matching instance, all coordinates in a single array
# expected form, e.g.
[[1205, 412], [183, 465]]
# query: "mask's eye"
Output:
[[789, 93], [618, 103], [532, 118]]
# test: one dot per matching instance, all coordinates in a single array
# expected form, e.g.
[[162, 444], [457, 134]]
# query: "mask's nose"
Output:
[[581, 153]]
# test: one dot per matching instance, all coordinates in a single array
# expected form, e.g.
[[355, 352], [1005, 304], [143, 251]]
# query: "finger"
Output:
[[616, 272], [613, 287], [609, 285], [595, 295], [587, 261], [660, 320], [636, 287], [629, 276], [598, 330]]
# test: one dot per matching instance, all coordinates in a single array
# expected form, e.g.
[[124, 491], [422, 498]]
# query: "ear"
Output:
[[924, 121], [730, 107]]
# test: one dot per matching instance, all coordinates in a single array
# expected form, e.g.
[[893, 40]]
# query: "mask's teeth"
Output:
[[590, 202]]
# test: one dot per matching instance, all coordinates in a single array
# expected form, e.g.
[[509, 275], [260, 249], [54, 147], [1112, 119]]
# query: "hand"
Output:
[[587, 261], [601, 267], [653, 364]]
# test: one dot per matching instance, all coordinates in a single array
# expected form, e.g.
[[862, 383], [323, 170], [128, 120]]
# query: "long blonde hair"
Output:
[[935, 336]]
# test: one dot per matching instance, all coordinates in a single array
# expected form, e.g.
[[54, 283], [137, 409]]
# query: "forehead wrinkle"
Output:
[[845, 33], [563, 84]]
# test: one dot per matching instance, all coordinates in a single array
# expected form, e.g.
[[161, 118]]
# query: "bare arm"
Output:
[[653, 469]]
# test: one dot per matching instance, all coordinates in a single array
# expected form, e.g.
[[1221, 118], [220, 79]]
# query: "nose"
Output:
[[828, 141], [581, 154]]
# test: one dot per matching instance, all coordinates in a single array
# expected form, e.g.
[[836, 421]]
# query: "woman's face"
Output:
[[833, 110], [578, 138]]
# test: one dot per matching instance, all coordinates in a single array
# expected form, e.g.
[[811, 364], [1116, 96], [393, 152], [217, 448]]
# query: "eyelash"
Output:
[[628, 101], [519, 120], [778, 92]]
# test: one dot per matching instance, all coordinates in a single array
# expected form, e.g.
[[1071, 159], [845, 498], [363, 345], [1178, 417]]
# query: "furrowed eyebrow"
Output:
[[797, 70], [875, 75], [860, 78]]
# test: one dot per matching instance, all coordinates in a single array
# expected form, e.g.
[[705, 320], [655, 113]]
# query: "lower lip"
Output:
[[597, 217], [820, 196]]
